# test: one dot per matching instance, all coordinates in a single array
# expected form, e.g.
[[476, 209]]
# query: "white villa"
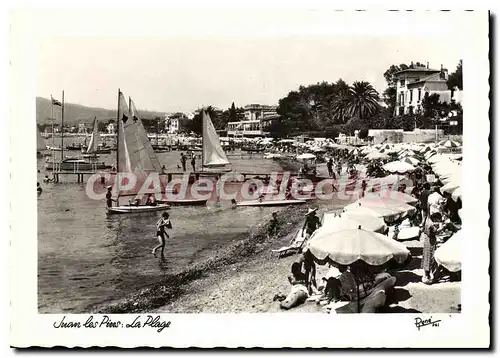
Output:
[[413, 83]]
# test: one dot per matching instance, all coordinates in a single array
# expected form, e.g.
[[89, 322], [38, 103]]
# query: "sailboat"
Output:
[[134, 154], [93, 149], [213, 156]]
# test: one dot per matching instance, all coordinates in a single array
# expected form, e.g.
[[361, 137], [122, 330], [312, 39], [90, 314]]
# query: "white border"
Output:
[[469, 329]]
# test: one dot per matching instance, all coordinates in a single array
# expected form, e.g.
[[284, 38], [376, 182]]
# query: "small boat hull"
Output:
[[129, 209], [192, 202], [270, 202]]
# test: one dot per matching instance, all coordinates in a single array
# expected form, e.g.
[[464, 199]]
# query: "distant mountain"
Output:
[[76, 113]]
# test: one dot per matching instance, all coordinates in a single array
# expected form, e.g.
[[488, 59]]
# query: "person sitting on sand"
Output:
[[46, 179], [38, 188], [273, 225], [299, 292], [367, 292]]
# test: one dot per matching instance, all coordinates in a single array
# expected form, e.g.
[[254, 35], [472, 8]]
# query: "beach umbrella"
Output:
[[337, 222], [449, 144], [306, 156], [457, 194], [450, 187], [384, 205], [319, 150], [348, 246], [449, 254], [376, 155], [398, 167], [410, 160], [388, 209], [399, 196]]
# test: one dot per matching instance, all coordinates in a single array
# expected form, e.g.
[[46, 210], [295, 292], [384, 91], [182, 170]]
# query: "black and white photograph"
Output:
[[286, 174]]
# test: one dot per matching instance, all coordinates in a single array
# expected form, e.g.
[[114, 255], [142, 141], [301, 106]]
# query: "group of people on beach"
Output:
[[184, 158]]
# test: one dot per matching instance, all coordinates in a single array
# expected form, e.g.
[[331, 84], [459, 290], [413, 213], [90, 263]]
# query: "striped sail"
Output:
[[213, 154]]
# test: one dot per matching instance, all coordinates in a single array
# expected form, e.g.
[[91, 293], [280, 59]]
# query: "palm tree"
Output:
[[362, 100], [339, 102]]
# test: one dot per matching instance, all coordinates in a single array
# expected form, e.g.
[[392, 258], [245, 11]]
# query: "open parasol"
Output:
[[338, 222], [449, 254], [398, 167], [348, 246]]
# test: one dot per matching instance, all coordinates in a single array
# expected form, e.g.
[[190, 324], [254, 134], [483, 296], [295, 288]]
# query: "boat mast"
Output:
[[62, 128], [118, 148], [52, 119], [202, 136]]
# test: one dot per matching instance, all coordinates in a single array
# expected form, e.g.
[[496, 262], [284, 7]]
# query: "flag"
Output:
[[123, 111], [55, 102]]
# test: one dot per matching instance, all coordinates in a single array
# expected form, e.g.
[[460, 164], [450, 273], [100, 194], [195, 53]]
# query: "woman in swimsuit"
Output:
[[161, 226]]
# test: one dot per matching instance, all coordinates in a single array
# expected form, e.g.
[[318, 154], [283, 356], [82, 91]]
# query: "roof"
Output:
[[432, 78], [417, 69]]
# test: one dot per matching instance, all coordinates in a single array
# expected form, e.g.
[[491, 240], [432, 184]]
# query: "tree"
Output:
[[232, 113], [362, 100], [101, 126], [456, 79]]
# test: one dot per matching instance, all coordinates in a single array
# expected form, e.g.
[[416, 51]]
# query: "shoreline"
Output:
[[172, 286], [236, 254]]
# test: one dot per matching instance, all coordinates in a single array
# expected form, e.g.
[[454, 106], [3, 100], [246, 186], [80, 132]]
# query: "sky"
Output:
[[185, 72]]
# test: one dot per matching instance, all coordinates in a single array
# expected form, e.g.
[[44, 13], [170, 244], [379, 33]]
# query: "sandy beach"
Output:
[[250, 287]]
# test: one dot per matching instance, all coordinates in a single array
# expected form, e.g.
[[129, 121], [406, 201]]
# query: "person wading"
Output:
[[183, 162], [193, 162], [161, 226], [109, 199]]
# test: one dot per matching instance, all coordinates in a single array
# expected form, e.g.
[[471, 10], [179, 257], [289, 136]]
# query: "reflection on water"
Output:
[[86, 256]]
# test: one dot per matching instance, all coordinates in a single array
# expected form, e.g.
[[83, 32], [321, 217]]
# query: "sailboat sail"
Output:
[[148, 156], [135, 150], [213, 154], [94, 140], [40, 142]]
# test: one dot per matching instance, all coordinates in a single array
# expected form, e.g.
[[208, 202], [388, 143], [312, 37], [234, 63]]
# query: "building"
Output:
[[257, 119], [110, 128], [175, 123], [82, 128], [413, 83]]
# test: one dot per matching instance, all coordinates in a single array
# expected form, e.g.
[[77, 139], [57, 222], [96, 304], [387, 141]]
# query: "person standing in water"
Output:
[[109, 199], [183, 162], [193, 162], [161, 226]]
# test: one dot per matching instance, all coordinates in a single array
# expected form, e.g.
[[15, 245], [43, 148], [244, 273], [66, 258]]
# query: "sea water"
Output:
[[87, 257]]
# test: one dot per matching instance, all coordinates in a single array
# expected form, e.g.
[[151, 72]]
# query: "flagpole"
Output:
[[53, 136], [62, 128], [118, 149]]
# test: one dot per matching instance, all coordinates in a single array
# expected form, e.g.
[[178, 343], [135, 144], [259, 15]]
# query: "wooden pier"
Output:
[[81, 175]]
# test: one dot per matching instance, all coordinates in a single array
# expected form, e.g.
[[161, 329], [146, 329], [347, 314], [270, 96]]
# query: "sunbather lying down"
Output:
[[299, 293]]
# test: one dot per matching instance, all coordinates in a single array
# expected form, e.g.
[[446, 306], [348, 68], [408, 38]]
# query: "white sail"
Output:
[[40, 142], [135, 150], [124, 164], [213, 154], [147, 150], [94, 139]]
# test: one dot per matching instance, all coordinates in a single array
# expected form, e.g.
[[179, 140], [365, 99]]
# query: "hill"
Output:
[[76, 113]]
